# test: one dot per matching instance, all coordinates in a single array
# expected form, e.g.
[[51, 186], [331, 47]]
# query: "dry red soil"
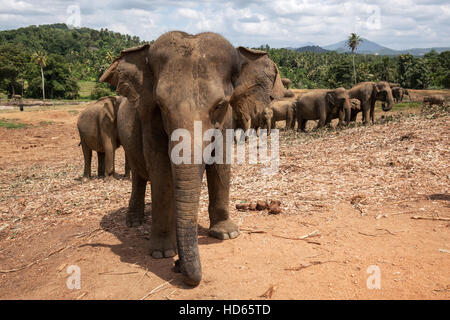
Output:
[[366, 195]]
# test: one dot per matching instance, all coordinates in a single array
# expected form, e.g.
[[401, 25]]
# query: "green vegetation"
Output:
[[11, 124], [61, 56], [309, 70], [406, 105], [86, 88]]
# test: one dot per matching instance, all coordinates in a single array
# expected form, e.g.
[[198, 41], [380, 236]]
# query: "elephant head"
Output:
[[338, 99], [382, 91], [181, 79], [260, 83]]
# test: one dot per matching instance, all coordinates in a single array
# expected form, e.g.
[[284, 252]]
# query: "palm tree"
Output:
[[353, 42], [40, 58]]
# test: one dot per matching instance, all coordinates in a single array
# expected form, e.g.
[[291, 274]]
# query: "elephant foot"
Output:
[[134, 219], [162, 247], [224, 230], [85, 179]]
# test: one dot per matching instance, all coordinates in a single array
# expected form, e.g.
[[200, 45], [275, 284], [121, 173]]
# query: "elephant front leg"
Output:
[[163, 237], [109, 158], [221, 226], [135, 214], [87, 153], [372, 112]]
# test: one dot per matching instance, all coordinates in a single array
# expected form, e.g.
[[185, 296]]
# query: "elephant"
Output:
[[368, 93], [280, 110], [185, 83], [323, 105], [434, 99], [355, 105], [97, 126], [398, 93], [286, 82], [261, 84]]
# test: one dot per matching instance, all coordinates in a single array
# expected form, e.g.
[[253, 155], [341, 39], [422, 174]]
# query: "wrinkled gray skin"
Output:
[[434, 99], [368, 93], [280, 110], [97, 126], [323, 105], [180, 79]]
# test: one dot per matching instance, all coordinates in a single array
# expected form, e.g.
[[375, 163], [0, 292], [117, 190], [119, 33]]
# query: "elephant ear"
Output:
[[130, 74], [258, 68], [278, 90], [331, 98]]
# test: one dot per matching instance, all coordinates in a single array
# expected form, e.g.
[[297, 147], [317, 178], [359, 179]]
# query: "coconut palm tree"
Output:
[[353, 43], [40, 58]]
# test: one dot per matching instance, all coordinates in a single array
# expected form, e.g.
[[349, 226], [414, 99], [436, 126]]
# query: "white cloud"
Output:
[[405, 24]]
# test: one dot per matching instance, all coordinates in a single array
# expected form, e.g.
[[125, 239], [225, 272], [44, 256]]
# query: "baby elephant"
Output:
[[97, 126], [434, 99], [280, 110]]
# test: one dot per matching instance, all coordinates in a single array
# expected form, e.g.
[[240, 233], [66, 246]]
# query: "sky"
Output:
[[400, 24]]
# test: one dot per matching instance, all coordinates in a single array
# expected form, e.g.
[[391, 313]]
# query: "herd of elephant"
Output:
[[325, 105], [179, 79]]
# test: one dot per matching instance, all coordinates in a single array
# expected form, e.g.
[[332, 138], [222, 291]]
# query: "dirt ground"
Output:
[[363, 196]]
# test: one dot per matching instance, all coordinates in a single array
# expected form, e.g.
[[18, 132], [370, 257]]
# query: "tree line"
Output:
[[47, 61], [331, 69], [65, 56]]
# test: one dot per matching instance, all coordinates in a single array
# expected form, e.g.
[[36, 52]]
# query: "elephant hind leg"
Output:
[[136, 206], [101, 164], [87, 153]]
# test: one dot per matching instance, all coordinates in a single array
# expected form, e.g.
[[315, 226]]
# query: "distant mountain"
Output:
[[315, 49], [370, 47], [366, 46]]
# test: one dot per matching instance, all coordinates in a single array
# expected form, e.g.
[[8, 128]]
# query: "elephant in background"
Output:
[[286, 82], [280, 110], [433, 99], [323, 105], [368, 93], [97, 126], [398, 93], [260, 85], [178, 80]]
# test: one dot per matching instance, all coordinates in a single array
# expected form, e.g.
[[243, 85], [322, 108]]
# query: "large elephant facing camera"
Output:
[[368, 93], [181, 79], [323, 105]]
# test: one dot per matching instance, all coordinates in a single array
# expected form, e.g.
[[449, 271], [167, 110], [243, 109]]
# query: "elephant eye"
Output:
[[219, 105]]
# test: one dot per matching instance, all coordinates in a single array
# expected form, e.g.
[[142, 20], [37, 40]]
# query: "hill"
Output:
[[370, 47], [89, 51], [314, 48]]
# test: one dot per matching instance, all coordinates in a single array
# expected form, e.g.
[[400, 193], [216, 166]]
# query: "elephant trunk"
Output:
[[348, 110], [187, 183], [390, 103]]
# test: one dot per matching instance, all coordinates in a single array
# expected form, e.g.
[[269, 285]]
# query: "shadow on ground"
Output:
[[134, 243]]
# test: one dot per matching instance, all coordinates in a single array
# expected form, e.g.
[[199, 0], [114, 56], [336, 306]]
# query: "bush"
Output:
[[101, 90]]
